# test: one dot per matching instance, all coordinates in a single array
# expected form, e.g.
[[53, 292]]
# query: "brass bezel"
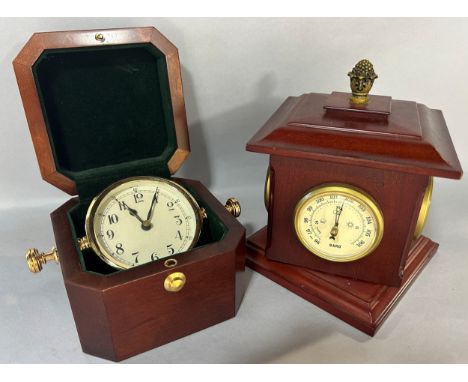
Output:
[[424, 211], [267, 189], [89, 220], [348, 190]]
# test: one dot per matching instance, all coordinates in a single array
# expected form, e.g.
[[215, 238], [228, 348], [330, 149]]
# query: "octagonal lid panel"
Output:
[[102, 106]]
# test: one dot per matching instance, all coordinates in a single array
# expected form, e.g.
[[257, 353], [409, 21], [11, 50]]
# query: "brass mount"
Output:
[[36, 259], [233, 207]]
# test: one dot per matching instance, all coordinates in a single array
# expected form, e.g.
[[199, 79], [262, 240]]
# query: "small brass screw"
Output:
[[99, 37]]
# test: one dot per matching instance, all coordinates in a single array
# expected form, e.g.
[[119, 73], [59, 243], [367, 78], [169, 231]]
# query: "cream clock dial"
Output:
[[338, 223], [142, 219]]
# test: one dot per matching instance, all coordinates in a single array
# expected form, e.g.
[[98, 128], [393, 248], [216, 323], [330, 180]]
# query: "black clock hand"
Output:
[[131, 211], [147, 223], [134, 212]]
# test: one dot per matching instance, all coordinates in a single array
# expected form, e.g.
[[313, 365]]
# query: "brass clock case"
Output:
[[344, 190], [91, 239]]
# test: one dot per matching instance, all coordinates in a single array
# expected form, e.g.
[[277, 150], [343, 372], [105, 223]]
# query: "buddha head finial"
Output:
[[361, 80]]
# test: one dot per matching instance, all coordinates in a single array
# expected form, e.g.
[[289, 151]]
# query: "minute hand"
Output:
[[154, 201]]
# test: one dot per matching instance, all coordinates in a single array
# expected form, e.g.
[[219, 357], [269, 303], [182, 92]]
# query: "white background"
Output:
[[236, 72]]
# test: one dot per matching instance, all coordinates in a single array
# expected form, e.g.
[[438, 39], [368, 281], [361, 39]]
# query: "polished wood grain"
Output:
[[361, 304], [129, 312], [39, 42], [413, 139], [398, 194], [378, 105]]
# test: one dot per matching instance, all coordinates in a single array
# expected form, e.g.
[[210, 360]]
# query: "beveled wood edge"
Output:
[[234, 240], [365, 317], [416, 168], [73, 39]]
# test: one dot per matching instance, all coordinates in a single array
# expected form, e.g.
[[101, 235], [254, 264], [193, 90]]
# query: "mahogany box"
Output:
[[104, 105]]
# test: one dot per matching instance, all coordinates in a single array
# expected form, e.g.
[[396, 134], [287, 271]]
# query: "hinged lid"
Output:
[[372, 131], [103, 105]]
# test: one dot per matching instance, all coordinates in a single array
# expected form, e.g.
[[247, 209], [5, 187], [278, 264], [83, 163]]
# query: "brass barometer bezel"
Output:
[[347, 190], [91, 239], [425, 206]]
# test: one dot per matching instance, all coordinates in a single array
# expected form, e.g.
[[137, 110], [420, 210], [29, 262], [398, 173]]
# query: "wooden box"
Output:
[[391, 149], [104, 105]]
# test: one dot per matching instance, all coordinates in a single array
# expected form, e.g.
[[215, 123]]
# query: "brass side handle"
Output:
[[233, 207], [36, 259]]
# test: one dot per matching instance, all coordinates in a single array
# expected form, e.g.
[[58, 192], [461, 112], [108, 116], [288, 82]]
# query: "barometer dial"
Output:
[[338, 223]]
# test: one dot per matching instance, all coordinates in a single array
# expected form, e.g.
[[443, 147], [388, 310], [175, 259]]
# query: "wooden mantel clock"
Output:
[[146, 258], [347, 192]]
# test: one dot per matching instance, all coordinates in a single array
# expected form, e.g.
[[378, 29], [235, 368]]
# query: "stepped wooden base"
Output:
[[361, 304]]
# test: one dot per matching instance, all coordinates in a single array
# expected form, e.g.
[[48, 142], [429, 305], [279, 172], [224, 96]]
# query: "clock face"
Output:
[[338, 223], [142, 219]]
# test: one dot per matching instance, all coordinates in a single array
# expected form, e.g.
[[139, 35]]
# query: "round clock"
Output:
[[338, 222], [142, 219]]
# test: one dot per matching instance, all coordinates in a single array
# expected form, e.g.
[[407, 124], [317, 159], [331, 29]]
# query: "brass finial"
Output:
[[361, 80]]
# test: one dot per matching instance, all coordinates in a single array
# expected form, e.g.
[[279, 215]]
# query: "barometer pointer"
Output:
[[334, 230]]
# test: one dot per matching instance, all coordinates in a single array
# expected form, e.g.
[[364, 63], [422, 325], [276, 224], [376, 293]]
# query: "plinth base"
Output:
[[361, 304]]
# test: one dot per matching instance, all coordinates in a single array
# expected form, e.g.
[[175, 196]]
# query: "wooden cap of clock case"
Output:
[[103, 105], [390, 149]]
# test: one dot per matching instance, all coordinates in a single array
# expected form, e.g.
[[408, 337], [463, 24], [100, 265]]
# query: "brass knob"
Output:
[[233, 207], [36, 260], [175, 282]]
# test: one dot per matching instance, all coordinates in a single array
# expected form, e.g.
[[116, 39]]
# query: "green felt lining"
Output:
[[108, 113], [213, 230]]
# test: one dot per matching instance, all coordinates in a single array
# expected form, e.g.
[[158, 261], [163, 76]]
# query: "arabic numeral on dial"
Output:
[[136, 256], [154, 256], [369, 220], [360, 243], [319, 200], [113, 219], [170, 205], [317, 241], [170, 250], [178, 235], [368, 233], [110, 234], [119, 249], [306, 220], [138, 197], [122, 206], [178, 220]]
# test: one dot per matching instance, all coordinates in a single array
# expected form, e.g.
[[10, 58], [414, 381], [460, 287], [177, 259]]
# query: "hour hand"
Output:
[[134, 212]]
